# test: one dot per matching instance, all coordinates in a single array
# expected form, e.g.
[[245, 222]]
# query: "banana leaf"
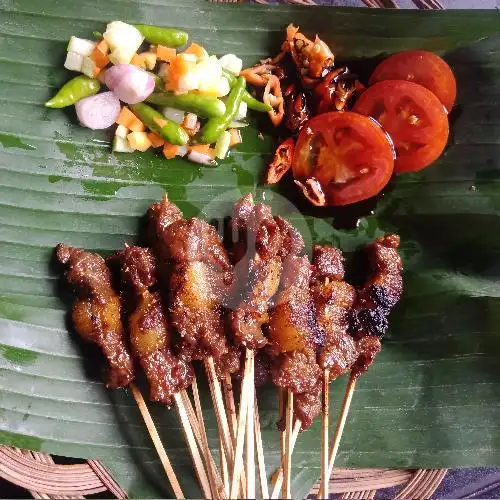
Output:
[[432, 399]]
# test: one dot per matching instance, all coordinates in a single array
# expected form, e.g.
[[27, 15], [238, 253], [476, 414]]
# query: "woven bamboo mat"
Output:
[[37, 473]]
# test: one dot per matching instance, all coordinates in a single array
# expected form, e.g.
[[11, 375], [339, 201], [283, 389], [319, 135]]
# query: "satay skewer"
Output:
[[153, 433], [96, 316], [264, 488], [380, 293], [220, 412], [339, 430], [250, 430], [278, 478], [193, 447], [287, 463], [215, 482], [324, 490], [241, 430]]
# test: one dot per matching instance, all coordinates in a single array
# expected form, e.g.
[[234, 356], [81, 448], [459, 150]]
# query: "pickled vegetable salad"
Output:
[[160, 93]]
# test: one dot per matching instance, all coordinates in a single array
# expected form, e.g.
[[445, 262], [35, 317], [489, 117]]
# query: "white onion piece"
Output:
[[98, 111], [130, 83]]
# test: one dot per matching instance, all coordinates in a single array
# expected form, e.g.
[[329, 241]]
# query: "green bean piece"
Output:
[[252, 103], [205, 106], [170, 37], [155, 121], [73, 91], [216, 126]]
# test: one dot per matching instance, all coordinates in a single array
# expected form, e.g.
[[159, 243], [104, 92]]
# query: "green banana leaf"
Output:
[[432, 399]]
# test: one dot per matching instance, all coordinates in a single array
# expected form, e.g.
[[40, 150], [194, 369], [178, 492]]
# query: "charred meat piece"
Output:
[[292, 324], [96, 311], [307, 406], [295, 337], [159, 217], [148, 328], [198, 272], [257, 270], [333, 299], [378, 296], [197, 293]]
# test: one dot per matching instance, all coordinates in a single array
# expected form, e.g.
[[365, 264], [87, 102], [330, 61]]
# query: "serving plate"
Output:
[[432, 399]]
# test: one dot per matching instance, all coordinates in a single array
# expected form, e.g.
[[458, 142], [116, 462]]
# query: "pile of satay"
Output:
[[252, 309]]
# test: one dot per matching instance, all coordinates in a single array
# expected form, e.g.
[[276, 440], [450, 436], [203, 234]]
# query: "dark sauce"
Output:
[[345, 217]]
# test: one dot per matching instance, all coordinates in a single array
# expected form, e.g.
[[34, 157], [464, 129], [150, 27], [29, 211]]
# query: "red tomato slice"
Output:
[[422, 67], [348, 154], [414, 118]]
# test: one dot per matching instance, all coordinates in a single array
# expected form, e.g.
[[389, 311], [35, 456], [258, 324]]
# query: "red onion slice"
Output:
[[98, 111], [130, 83]]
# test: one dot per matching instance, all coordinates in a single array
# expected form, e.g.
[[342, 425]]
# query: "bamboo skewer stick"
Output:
[[337, 436], [176, 487], [220, 412], [193, 448], [287, 468], [264, 489], [278, 480], [224, 468], [193, 419], [250, 430], [323, 490], [217, 489], [240, 434], [227, 389]]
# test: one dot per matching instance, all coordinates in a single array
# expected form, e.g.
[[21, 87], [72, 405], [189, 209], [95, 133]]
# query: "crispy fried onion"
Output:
[[313, 59], [274, 98], [259, 75], [282, 161], [312, 190]]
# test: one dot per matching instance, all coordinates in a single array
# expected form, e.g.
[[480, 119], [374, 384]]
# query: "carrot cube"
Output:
[[166, 54], [126, 117], [196, 50], [101, 60], [136, 125], [138, 60], [170, 150], [201, 148], [155, 139], [102, 47]]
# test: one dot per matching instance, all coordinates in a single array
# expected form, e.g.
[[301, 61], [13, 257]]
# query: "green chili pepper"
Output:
[[170, 37], [216, 126], [155, 121], [255, 104], [252, 103], [73, 91], [205, 106]]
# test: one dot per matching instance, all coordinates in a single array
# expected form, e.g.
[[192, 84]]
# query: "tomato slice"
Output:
[[414, 118], [422, 67], [347, 154]]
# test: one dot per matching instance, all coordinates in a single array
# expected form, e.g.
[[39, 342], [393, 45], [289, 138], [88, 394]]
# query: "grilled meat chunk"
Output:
[[96, 311], [148, 328]]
